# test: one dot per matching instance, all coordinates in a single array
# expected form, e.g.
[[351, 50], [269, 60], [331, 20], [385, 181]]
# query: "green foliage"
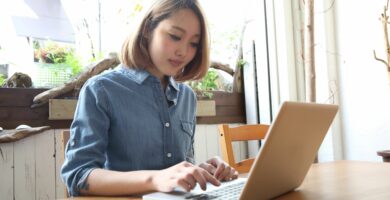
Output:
[[36, 44], [241, 63], [207, 84], [2, 79], [74, 63], [58, 54], [52, 52]]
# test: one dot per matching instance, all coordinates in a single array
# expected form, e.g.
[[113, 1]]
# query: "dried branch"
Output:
[[385, 21], [378, 59], [224, 67], [238, 84], [330, 7], [85, 23], [310, 72], [17, 134], [94, 69]]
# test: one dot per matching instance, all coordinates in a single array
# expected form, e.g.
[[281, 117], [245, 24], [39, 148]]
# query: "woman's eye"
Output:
[[194, 45], [174, 37]]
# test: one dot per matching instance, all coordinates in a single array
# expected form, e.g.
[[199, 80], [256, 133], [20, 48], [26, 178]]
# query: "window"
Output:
[[38, 30]]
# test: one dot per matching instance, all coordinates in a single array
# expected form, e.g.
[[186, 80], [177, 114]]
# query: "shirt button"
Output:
[[169, 155], [167, 124]]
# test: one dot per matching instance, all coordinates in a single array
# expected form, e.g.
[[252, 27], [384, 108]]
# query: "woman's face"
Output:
[[174, 43]]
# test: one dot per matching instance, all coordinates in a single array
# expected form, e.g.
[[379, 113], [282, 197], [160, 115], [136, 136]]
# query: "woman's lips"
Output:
[[176, 63]]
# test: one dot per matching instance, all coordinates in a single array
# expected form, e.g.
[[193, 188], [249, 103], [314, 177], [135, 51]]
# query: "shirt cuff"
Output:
[[82, 184]]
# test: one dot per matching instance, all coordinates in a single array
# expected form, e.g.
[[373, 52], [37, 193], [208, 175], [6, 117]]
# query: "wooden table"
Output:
[[335, 180], [345, 180]]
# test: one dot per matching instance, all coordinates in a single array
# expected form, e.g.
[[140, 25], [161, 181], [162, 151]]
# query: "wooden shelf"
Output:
[[15, 109]]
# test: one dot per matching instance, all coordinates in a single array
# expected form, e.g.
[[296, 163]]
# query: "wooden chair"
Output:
[[240, 133], [65, 134]]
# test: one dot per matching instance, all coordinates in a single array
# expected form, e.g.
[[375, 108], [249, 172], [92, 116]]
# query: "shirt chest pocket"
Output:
[[187, 128], [184, 135]]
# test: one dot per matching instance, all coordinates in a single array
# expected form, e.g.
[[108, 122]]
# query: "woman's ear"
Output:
[[146, 31], [145, 34]]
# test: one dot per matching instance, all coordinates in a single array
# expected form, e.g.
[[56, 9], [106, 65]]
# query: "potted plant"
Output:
[[217, 103], [203, 88], [56, 63]]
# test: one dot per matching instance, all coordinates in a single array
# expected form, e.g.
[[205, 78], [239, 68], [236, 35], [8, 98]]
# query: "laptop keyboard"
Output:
[[229, 192]]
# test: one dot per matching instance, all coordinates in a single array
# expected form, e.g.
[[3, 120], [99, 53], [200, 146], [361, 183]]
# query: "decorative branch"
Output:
[[385, 21], [378, 59], [310, 72], [76, 84], [238, 83], [85, 23], [17, 134], [224, 67]]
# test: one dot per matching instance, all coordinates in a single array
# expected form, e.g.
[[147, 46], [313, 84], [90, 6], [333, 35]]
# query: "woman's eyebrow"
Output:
[[183, 31], [179, 29]]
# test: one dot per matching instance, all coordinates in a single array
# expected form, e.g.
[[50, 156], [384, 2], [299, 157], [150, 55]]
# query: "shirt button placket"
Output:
[[167, 125]]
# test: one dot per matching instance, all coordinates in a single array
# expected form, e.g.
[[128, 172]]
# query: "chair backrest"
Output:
[[240, 133], [65, 134]]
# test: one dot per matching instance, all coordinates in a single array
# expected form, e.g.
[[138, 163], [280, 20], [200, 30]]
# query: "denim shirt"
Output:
[[124, 121]]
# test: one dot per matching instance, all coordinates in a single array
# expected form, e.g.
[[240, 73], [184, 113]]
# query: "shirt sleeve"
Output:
[[87, 145], [190, 154]]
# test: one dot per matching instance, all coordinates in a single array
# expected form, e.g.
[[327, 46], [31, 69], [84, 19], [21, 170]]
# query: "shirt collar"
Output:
[[137, 75], [173, 83], [140, 75]]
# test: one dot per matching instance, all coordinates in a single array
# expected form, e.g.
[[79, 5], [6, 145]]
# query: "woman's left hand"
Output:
[[219, 169]]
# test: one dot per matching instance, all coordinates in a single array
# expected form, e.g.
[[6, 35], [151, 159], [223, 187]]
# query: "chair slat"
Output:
[[241, 133], [248, 132]]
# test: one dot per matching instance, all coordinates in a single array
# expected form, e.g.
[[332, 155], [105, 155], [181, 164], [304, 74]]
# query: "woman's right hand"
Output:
[[184, 175]]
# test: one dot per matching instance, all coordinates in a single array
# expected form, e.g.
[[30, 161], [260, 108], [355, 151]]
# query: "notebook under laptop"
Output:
[[288, 151]]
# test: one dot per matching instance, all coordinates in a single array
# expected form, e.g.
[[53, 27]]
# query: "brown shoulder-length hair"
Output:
[[135, 53]]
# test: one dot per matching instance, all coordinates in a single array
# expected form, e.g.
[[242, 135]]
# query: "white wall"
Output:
[[364, 85]]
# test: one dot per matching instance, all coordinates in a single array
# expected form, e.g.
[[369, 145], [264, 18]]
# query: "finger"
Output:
[[189, 178], [235, 175], [232, 175], [199, 177], [208, 167], [215, 161], [184, 184], [211, 179], [220, 169], [225, 173]]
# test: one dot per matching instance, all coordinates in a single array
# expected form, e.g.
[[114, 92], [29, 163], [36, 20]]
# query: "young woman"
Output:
[[133, 131]]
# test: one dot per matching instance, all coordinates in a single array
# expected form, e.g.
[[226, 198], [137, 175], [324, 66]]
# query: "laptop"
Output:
[[283, 161]]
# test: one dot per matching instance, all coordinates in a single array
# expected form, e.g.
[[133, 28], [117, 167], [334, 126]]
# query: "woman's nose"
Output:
[[182, 50]]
